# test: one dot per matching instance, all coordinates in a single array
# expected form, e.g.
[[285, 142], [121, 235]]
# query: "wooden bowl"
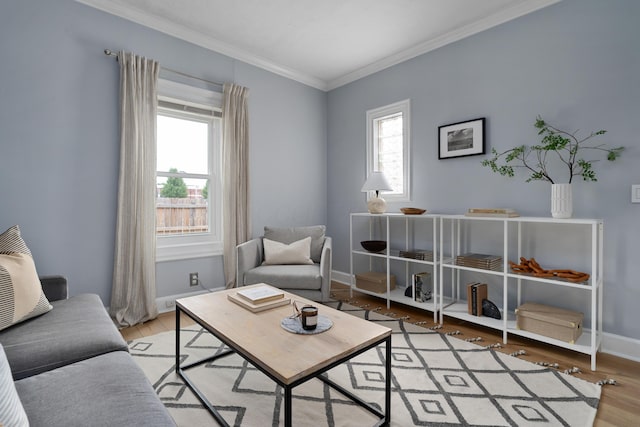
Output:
[[374, 245], [412, 211]]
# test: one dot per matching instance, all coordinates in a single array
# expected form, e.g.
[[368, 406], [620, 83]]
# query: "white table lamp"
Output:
[[376, 182]]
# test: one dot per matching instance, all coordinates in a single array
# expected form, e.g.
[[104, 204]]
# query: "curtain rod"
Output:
[[109, 52]]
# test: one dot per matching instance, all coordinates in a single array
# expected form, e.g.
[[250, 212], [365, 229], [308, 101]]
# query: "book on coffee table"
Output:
[[257, 308], [261, 294]]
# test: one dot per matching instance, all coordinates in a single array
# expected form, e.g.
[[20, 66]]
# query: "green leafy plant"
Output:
[[175, 187], [566, 146]]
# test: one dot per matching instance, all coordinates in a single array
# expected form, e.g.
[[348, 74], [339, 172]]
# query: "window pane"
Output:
[[182, 145], [182, 205], [390, 151], [391, 126]]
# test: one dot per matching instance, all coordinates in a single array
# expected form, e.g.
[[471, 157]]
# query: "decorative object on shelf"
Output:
[[489, 309], [483, 261], [567, 146], [375, 282], [376, 182], [420, 254], [408, 292], [561, 201], [531, 266], [421, 284], [461, 139], [374, 245], [412, 211], [492, 212], [553, 322]]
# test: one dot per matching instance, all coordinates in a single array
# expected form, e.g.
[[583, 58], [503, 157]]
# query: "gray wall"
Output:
[[59, 139], [576, 63]]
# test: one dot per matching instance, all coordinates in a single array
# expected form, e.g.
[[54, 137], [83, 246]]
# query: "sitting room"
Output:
[[439, 198]]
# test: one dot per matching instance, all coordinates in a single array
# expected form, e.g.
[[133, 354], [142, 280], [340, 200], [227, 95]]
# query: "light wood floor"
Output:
[[619, 404]]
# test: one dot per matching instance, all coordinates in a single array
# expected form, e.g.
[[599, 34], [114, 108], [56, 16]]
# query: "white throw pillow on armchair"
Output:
[[276, 253]]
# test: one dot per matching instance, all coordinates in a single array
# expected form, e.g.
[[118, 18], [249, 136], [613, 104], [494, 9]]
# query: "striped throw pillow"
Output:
[[21, 295], [11, 410]]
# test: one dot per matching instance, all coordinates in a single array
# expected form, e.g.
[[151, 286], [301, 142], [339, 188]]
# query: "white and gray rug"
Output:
[[438, 380]]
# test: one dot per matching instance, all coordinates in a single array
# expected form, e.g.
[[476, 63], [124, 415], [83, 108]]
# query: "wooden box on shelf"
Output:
[[374, 282], [553, 322]]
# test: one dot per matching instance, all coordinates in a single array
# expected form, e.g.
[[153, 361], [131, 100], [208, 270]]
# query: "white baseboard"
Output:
[[168, 303], [340, 277], [617, 345]]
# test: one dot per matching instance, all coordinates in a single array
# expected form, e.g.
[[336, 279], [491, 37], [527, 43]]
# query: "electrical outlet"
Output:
[[635, 194], [170, 304], [193, 279]]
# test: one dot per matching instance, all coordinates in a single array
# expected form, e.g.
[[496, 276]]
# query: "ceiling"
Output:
[[322, 43]]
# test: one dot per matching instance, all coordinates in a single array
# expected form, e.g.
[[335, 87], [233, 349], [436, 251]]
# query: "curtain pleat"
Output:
[[235, 155], [133, 292]]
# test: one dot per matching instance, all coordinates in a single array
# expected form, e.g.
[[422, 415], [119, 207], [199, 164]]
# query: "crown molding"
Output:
[[496, 19], [179, 31], [189, 35]]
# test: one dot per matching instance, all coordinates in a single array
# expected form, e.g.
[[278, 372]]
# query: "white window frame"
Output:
[[403, 107], [197, 245]]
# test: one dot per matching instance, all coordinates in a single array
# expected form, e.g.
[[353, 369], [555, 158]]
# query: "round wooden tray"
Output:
[[412, 211]]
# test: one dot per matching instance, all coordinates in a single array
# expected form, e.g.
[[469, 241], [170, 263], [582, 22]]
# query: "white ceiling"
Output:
[[321, 43]]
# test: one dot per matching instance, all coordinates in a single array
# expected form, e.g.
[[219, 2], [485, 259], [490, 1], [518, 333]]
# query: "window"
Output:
[[188, 187], [388, 147]]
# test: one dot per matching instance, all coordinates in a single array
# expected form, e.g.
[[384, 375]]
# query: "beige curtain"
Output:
[[235, 173], [133, 292]]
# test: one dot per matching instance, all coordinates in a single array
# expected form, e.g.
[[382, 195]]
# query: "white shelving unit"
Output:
[[389, 255], [512, 284]]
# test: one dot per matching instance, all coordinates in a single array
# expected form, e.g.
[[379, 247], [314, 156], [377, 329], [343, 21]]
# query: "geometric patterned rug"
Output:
[[437, 380]]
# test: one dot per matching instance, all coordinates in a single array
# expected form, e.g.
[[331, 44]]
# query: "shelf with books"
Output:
[[577, 242], [411, 248]]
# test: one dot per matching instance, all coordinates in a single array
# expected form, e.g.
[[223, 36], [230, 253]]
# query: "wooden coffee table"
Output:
[[288, 359]]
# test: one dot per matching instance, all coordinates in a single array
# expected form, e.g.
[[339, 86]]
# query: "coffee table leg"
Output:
[[387, 391], [177, 339], [287, 406]]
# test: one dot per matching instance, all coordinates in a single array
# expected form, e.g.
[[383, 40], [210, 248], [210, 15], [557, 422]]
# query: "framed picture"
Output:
[[461, 139]]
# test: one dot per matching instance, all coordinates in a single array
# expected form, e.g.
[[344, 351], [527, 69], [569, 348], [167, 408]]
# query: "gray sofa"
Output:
[[312, 281], [71, 366]]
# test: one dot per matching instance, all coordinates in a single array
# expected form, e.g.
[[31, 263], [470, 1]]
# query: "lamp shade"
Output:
[[376, 182]]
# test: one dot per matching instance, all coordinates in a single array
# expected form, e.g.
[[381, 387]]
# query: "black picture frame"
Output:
[[461, 139]]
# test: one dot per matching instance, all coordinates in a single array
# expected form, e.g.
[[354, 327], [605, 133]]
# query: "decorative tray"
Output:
[[412, 211]]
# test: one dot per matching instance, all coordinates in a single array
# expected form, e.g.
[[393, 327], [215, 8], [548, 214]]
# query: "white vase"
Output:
[[561, 201]]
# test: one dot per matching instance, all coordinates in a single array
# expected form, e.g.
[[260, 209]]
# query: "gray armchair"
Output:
[[312, 281]]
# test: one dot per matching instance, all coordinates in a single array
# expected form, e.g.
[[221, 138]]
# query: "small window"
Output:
[[188, 187], [388, 147]]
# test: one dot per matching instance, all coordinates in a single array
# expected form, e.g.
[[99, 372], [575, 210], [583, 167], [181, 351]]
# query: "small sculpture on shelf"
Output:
[[531, 266]]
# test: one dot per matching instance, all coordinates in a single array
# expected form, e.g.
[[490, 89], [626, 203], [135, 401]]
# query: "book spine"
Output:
[[474, 300]]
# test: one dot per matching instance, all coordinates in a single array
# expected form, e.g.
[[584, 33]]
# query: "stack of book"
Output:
[[495, 212], [259, 298], [420, 254], [483, 261]]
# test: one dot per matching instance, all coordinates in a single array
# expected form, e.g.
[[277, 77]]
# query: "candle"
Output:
[[309, 317]]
